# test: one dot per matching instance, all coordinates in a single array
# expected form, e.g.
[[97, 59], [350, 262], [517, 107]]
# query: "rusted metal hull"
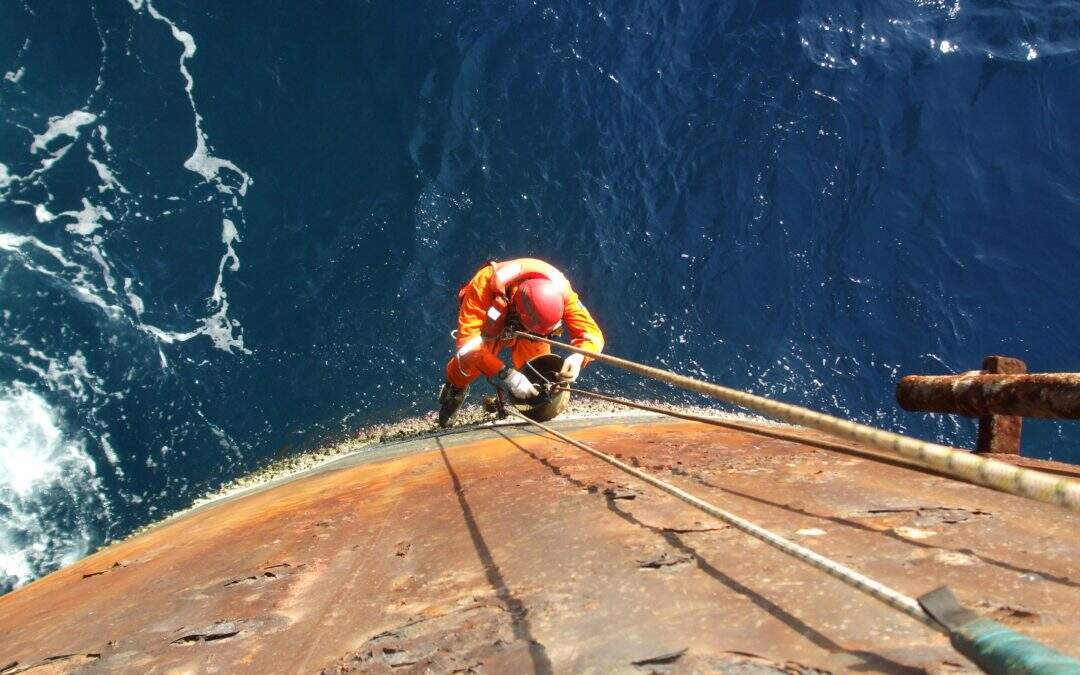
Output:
[[507, 551]]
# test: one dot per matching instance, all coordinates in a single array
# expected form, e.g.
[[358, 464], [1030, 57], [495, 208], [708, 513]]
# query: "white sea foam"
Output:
[[15, 76], [48, 484], [68, 125], [104, 58], [133, 299], [69, 376], [218, 326], [110, 452], [49, 501], [228, 236], [58, 126], [108, 180], [15, 242], [106, 272], [222, 331], [42, 214], [78, 285], [86, 223], [168, 337], [201, 161], [87, 220], [103, 133], [82, 229]]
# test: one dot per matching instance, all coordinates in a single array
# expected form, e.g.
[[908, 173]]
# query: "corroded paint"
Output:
[[1000, 433], [1048, 395], [509, 551]]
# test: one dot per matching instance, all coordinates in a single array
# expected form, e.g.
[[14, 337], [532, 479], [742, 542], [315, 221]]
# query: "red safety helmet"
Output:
[[540, 304]]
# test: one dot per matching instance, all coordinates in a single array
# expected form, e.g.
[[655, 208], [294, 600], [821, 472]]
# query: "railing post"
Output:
[[1001, 433]]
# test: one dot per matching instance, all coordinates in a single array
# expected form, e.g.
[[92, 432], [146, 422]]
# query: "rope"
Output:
[[656, 409], [960, 464], [760, 430], [875, 589], [704, 419]]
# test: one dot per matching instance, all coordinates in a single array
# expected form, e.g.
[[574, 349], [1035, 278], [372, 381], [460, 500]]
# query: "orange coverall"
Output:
[[477, 356]]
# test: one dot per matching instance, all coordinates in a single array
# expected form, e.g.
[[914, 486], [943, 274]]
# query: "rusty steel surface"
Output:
[[1004, 364], [1000, 433], [1048, 395], [508, 551]]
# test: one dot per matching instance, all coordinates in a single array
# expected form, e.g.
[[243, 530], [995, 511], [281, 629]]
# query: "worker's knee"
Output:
[[459, 375]]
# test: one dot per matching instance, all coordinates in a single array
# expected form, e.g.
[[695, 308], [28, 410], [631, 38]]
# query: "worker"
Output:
[[524, 294]]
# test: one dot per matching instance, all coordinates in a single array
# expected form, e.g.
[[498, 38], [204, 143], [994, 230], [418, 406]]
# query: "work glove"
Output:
[[571, 368], [517, 384]]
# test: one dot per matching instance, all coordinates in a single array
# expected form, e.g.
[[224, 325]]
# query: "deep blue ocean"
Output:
[[231, 231]]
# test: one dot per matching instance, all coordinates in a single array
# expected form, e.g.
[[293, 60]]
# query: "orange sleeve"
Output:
[[584, 333], [472, 352]]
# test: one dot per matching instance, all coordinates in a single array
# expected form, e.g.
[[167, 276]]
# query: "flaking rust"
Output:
[[1000, 395], [1046, 395], [507, 551]]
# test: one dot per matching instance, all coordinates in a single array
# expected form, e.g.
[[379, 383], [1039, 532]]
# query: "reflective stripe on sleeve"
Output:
[[469, 346], [508, 272]]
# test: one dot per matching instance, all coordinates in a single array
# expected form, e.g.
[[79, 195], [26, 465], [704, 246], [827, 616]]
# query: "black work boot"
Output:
[[450, 400]]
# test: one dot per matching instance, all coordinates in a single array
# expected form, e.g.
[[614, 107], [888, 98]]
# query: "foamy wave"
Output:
[[49, 490]]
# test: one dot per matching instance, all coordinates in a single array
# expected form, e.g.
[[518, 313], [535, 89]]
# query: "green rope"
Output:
[[999, 650]]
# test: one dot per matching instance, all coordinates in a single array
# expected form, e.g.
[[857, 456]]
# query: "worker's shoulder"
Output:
[[483, 275]]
